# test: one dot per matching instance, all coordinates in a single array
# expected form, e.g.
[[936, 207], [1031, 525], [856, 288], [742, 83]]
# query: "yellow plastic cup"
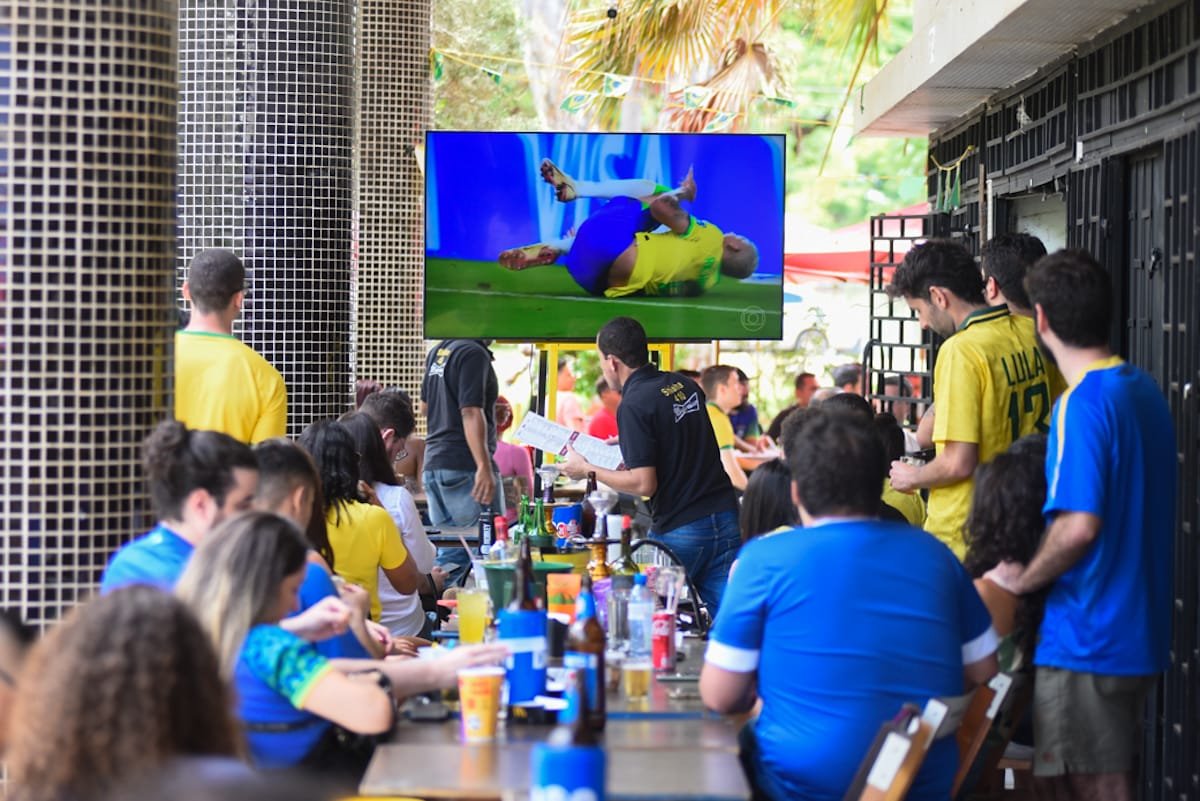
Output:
[[474, 608], [479, 702]]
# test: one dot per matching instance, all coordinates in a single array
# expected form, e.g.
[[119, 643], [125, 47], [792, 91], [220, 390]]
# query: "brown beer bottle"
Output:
[[585, 652], [525, 594], [587, 526]]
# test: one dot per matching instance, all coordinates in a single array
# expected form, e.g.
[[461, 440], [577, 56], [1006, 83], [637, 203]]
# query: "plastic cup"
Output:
[[479, 702], [473, 609], [480, 573], [635, 678]]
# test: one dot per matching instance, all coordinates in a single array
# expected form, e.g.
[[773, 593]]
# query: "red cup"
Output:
[[662, 643]]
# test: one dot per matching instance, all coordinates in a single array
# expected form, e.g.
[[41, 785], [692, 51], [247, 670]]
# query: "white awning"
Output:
[[964, 51]]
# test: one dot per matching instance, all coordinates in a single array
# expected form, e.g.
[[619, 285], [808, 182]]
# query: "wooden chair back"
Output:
[[898, 751]]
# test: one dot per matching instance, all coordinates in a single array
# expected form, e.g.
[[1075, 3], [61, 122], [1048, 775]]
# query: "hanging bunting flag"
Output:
[[439, 65], [720, 122], [695, 96], [493, 74], [577, 102], [955, 194], [616, 85]]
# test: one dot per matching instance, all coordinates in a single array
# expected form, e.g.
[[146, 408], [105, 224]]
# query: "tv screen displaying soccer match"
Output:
[[546, 236]]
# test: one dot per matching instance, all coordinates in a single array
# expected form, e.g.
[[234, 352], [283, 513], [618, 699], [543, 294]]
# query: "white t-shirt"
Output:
[[402, 614]]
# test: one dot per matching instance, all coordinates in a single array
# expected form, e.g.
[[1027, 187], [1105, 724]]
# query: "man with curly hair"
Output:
[[990, 380]]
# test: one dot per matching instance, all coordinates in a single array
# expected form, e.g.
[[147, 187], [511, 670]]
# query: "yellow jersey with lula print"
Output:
[[666, 261], [992, 386]]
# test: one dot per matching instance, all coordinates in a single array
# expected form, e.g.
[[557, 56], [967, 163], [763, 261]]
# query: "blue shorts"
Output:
[[603, 237]]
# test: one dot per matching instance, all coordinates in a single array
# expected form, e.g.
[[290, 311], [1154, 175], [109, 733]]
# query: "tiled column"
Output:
[[265, 170], [393, 102], [87, 171]]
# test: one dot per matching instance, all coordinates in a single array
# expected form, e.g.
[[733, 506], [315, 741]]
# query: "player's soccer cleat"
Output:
[[528, 256], [564, 185]]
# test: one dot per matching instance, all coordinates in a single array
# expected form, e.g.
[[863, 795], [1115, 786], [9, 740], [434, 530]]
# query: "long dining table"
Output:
[[666, 746]]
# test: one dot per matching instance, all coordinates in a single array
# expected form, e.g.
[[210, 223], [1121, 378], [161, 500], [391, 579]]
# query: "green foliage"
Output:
[[467, 98]]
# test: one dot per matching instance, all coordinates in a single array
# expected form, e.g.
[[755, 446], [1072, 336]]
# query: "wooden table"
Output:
[[501, 771], [666, 746]]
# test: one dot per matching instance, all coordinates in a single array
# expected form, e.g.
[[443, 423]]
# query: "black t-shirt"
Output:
[[664, 425], [775, 430], [458, 375]]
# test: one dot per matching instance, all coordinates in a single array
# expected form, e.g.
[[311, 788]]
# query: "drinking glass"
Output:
[[474, 614]]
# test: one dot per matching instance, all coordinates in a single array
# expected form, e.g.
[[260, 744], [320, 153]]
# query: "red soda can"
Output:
[[662, 643]]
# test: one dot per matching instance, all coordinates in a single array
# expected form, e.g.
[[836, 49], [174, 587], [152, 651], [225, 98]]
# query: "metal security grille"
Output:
[[393, 102], [87, 168], [896, 346], [265, 170], [1173, 741]]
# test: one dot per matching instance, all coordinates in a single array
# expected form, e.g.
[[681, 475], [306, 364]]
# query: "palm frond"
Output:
[[746, 72]]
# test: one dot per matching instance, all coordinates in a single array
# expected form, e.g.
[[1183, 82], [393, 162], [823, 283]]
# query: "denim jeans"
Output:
[[707, 548], [448, 493]]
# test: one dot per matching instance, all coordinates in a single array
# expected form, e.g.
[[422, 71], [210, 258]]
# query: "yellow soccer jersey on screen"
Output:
[[222, 385], [991, 385], [364, 538], [721, 425], [666, 261]]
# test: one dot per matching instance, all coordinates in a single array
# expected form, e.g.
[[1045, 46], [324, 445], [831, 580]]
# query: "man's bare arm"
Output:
[[727, 692], [1067, 540], [956, 462], [666, 210], [638, 481], [475, 430]]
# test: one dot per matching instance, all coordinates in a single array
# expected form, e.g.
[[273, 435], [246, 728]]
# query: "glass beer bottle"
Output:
[[585, 651], [624, 564]]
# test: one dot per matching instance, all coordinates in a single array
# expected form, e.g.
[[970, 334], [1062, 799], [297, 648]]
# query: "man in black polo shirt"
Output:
[[670, 456], [458, 397]]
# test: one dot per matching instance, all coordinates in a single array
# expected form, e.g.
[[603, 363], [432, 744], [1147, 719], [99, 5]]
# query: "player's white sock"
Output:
[[632, 187], [561, 245]]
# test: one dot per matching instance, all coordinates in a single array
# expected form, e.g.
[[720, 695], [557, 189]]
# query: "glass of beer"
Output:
[[474, 607], [635, 677]]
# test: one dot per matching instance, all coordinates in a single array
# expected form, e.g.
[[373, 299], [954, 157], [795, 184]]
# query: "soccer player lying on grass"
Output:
[[617, 250]]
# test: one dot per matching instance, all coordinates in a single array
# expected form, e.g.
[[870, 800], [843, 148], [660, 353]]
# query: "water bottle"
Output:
[[641, 619]]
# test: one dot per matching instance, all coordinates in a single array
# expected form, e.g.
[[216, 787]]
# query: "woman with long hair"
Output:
[[365, 541], [292, 701], [401, 613], [289, 486], [1005, 524], [124, 687], [767, 503]]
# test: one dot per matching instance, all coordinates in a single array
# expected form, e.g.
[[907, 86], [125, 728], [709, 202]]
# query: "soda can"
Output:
[[662, 643]]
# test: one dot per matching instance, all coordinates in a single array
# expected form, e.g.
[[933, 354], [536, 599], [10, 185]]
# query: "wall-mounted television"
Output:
[[546, 236]]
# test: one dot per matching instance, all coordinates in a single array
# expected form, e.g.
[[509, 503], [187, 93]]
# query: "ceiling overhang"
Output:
[[964, 51]]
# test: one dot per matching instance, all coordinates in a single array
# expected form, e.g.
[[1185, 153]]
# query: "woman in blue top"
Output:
[[241, 582]]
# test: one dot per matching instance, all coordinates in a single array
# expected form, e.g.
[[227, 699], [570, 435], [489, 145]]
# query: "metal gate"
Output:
[[1164, 289], [896, 347]]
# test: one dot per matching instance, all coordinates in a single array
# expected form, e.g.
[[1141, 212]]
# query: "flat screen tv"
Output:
[[546, 236]]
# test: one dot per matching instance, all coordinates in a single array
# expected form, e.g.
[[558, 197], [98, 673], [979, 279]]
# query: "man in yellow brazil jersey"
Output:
[[622, 250], [221, 384], [991, 382]]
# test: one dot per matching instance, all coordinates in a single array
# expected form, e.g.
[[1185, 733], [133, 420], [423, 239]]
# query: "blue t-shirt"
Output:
[[275, 672], [1111, 453], [157, 558], [844, 623], [318, 584]]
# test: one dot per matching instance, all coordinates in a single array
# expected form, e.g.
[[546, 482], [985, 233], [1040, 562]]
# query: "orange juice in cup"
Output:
[[474, 613], [479, 702]]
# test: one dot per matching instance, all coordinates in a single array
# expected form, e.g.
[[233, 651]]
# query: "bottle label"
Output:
[[590, 664]]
